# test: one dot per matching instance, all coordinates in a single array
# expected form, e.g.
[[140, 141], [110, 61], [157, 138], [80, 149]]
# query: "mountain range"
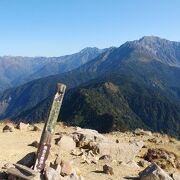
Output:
[[134, 85], [15, 71]]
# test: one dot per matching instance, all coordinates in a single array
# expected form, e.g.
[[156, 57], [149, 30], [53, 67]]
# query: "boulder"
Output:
[[66, 143], [154, 172], [82, 137], [8, 128], [124, 152]]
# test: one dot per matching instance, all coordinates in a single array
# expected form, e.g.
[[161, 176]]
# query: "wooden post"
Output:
[[49, 127]]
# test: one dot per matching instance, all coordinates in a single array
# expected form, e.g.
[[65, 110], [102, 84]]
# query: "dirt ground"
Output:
[[15, 145]]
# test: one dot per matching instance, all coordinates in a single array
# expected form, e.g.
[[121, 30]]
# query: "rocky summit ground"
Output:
[[112, 156]]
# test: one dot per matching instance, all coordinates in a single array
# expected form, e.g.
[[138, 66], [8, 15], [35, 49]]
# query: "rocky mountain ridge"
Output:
[[149, 87], [18, 70]]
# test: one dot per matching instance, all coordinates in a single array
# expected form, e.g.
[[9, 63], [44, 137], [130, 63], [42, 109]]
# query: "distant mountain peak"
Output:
[[88, 49], [150, 38]]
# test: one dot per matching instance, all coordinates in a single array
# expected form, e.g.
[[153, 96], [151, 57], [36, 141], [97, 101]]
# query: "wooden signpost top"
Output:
[[23, 172], [48, 131]]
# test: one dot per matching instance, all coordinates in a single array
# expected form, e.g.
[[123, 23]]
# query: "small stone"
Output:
[[131, 164], [8, 128], [77, 152], [66, 168], [117, 141], [105, 157], [7, 166], [34, 144], [108, 170], [36, 128], [143, 163], [22, 126]]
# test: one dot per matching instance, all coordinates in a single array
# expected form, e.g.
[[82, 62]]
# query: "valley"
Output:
[[135, 85]]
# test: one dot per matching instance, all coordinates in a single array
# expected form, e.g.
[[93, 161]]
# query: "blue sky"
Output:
[[58, 27]]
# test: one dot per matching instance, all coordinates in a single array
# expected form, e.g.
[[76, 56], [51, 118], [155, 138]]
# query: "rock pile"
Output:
[[163, 158], [100, 154]]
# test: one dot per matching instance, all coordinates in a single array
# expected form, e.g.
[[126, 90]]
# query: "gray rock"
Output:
[[66, 168], [124, 152], [154, 172], [66, 143], [52, 174], [22, 126], [83, 137], [28, 160]]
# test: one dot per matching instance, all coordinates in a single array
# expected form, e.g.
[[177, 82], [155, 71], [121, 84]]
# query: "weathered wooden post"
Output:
[[48, 131], [26, 173]]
